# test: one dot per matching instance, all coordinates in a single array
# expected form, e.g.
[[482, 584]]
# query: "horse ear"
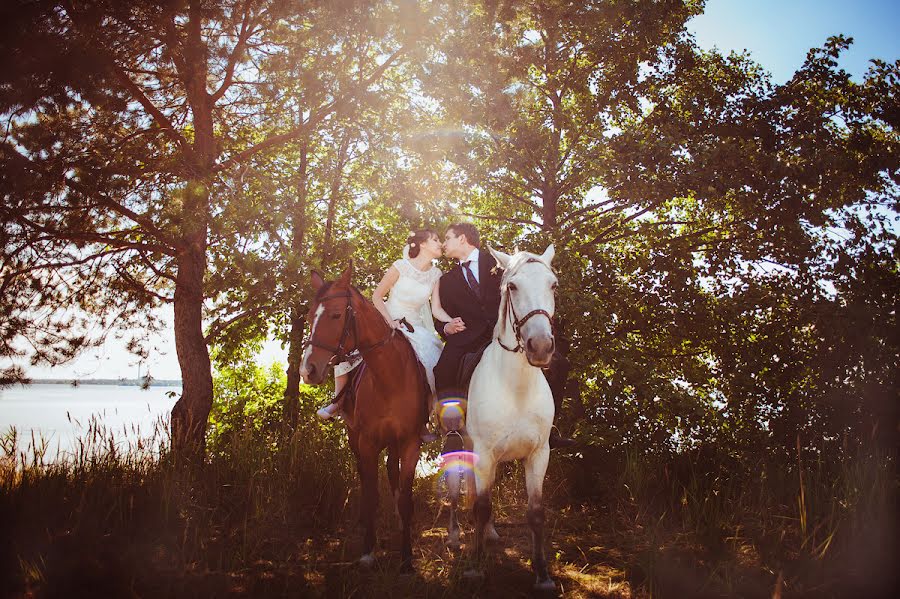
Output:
[[548, 254], [347, 275], [501, 258], [317, 280]]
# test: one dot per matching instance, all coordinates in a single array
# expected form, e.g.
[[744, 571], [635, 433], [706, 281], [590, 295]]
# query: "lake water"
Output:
[[61, 415]]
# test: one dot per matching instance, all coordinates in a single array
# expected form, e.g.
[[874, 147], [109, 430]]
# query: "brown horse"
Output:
[[386, 409]]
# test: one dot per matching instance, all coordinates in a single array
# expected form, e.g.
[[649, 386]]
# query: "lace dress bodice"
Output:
[[410, 295], [409, 298]]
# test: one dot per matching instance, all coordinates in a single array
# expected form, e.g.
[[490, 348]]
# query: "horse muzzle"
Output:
[[539, 350], [312, 374]]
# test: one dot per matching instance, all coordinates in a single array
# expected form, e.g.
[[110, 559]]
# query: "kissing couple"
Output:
[[460, 305]]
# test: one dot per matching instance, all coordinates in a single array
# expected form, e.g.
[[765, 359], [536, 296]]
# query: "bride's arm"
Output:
[[387, 281], [436, 310]]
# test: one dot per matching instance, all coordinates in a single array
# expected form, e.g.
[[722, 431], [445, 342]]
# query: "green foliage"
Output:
[[247, 400]]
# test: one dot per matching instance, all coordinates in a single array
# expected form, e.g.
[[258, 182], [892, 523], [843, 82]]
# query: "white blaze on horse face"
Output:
[[304, 364]]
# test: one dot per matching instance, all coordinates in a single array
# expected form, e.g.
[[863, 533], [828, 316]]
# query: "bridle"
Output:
[[517, 323], [340, 353]]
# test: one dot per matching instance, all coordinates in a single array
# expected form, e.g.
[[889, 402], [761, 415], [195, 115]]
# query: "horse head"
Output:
[[528, 302], [332, 328]]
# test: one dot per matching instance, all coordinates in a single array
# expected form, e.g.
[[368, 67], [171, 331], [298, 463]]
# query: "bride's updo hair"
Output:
[[415, 241]]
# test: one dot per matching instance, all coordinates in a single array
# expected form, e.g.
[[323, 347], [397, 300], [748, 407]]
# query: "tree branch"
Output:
[[93, 237], [313, 120], [135, 91], [147, 225], [56, 265], [239, 48], [505, 219], [219, 326]]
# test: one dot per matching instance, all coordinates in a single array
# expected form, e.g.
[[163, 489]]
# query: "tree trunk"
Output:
[[335, 193], [298, 316], [190, 414]]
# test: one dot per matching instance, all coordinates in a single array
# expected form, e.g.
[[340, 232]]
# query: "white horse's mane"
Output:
[[520, 259]]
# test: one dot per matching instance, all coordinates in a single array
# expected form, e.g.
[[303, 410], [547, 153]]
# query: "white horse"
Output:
[[510, 407]]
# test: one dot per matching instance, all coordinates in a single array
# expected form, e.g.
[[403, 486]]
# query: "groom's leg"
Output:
[[446, 371]]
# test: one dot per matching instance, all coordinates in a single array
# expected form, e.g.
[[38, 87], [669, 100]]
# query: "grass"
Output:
[[265, 517]]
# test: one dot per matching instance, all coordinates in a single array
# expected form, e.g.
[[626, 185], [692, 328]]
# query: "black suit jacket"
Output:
[[479, 313]]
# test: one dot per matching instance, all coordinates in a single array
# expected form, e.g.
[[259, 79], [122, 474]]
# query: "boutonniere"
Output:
[[495, 269]]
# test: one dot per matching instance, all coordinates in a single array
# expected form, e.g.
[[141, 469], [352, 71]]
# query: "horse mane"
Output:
[[517, 261], [326, 288], [323, 291]]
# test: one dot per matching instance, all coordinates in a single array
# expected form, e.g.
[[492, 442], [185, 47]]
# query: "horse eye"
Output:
[[512, 286]]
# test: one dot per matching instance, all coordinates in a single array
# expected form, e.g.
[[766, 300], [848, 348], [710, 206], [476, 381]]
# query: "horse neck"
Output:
[[383, 359], [370, 325]]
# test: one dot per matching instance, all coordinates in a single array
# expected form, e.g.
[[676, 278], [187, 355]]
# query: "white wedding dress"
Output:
[[410, 298]]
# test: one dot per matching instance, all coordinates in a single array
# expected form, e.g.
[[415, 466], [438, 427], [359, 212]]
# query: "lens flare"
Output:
[[456, 471], [452, 413]]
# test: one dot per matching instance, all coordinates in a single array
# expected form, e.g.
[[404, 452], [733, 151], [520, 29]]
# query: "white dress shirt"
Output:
[[473, 264]]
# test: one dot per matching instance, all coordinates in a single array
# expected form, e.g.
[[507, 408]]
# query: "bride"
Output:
[[410, 282]]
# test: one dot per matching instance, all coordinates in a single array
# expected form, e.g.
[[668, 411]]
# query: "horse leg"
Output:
[[409, 459], [485, 470], [393, 473], [535, 469], [490, 533], [453, 488], [367, 464]]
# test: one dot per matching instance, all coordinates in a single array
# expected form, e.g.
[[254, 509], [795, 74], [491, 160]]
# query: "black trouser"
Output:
[[446, 371]]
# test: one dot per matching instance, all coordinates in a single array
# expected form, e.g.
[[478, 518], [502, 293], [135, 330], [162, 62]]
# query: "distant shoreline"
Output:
[[122, 382]]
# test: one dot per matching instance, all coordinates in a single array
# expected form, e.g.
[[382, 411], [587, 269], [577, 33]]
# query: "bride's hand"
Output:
[[454, 326]]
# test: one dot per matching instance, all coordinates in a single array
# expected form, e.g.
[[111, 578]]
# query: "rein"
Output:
[[518, 323], [339, 352]]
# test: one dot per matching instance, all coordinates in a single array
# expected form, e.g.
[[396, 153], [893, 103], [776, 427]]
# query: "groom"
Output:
[[470, 293]]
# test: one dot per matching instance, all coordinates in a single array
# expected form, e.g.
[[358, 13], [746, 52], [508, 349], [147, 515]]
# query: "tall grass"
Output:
[[110, 518], [275, 514], [701, 521]]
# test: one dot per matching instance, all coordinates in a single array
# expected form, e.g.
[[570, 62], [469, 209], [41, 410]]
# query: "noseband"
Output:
[[518, 323], [339, 352]]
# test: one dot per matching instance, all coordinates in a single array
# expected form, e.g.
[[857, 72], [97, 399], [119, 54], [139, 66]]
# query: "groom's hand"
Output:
[[454, 326]]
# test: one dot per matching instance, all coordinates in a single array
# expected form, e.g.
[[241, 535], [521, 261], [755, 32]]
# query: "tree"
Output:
[[124, 119], [679, 186]]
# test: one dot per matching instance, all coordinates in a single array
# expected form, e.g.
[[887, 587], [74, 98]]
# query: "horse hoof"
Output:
[[545, 585], [454, 545], [406, 567], [367, 561], [491, 535], [473, 575]]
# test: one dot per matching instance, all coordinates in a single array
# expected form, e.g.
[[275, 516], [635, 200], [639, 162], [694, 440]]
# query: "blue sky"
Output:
[[777, 34]]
